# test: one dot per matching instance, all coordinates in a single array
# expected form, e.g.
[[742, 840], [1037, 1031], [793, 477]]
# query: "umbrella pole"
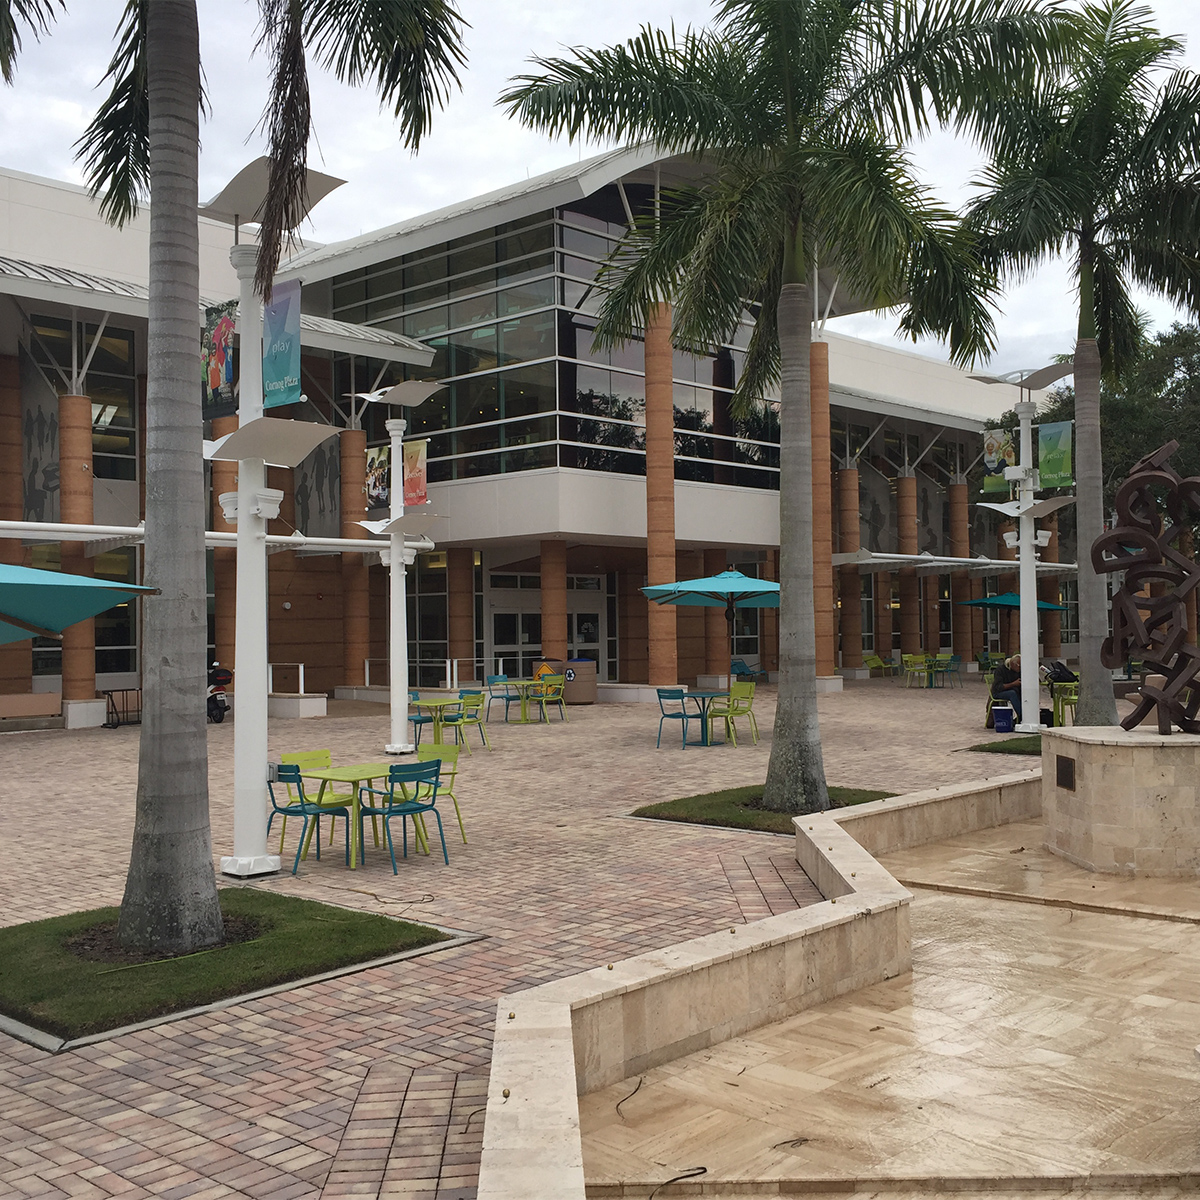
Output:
[[729, 615]]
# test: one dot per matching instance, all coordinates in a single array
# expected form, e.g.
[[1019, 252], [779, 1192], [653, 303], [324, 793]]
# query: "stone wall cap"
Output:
[[1114, 735]]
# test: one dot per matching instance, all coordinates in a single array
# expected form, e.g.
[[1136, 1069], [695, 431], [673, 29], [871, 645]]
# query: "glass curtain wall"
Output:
[[510, 313]]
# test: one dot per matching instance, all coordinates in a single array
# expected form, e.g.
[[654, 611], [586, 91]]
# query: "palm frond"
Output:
[[1170, 141], [760, 370], [288, 122], [1118, 322], [115, 147], [680, 93], [35, 15], [410, 49]]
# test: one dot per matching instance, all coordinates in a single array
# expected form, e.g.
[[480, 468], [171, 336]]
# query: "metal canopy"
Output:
[[241, 200], [279, 443], [870, 563]]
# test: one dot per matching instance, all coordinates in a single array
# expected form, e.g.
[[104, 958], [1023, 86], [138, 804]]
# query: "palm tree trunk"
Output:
[[1097, 705], [796, 772], [170, 902]]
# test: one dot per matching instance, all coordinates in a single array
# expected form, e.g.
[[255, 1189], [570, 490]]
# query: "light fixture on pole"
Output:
[[408, 394], [1027, 508], [242, 200]]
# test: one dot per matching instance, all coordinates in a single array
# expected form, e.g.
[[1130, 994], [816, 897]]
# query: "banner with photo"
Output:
[[998, 453], [216, 360], [1054, 454], [281, 346], [415, 473], [379, 460]]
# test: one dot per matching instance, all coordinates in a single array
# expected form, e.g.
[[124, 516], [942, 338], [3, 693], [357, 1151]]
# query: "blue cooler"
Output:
[[1004, 717]]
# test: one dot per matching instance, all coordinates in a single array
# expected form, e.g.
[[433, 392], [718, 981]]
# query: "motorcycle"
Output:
[[219, 678]]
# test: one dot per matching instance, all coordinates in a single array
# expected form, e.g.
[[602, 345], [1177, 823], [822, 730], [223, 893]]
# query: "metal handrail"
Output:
[[271, 675]]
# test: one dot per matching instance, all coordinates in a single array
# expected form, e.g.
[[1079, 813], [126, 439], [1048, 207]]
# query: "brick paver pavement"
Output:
[[257, 1100]]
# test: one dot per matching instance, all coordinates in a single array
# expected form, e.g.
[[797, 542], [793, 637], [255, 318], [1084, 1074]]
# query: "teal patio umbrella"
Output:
[[1011, 600], [43, 603], [728, 590]]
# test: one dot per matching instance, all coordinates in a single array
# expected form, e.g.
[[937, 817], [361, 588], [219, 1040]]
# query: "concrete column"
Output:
[[960, 581], [460, 609], [851, 586], [356, 594], [224, 479], [716, 628], [910, 589], [75, 507], [1048, 590], [554, 600], [822, 512], [883, 614], [660, 495], [1007, 583], [16, 658]]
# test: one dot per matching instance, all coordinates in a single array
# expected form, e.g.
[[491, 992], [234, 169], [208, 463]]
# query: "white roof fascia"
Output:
[[852, 398], [551, 190]]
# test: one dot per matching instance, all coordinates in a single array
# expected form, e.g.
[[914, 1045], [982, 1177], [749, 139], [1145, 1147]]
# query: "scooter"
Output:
[[219, 678]]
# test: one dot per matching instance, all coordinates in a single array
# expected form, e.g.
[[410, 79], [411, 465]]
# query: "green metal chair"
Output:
[[470, 713], [989, 677], [875, 663], [739, 704], [1062, 697], [312, 760], [448, 757], [551, 692], [915, 668]]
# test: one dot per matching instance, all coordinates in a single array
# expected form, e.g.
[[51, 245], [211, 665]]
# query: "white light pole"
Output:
[[1030, 660]]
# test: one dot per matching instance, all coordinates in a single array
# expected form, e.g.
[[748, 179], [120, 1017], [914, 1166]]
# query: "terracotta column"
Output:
[[16, 658], [75, 508], [224, 479], [460, 610], [1009, 621], [1048, 590], [851, 585], [554, 600], [356, 595], [883, 614], [822, 512], [716, 628], [910, 588], [660, 494], [960, 581]]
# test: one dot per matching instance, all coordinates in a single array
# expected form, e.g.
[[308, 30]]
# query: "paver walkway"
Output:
[[258, 1100]]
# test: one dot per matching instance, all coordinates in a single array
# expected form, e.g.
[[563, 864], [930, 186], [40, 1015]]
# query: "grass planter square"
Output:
[[737, 808], [45, 985]]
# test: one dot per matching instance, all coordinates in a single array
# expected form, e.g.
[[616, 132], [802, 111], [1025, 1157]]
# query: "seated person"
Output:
[[1006, 684]]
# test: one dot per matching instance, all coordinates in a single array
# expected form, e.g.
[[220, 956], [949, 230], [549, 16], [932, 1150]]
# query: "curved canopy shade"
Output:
[[43, 603], [1011, 600], [729, 589]]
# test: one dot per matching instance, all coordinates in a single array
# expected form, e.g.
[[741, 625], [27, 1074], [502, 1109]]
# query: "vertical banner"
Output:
[[216, 360], [281, 346], [1054, 454], [378, 472], [998, 453], [415, 473]]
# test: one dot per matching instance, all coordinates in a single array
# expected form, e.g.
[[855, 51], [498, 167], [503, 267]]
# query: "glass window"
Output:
[[421, 324], [477, 400], [536, 264], [473, 350], [477, 308], [472, 258], [585, 243], [535, 294], [525, 241], [529, 390]]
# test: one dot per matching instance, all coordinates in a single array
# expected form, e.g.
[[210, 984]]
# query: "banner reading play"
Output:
[[998, 453], [1054, 454], [281, 346], [216, 360], [415, 476]]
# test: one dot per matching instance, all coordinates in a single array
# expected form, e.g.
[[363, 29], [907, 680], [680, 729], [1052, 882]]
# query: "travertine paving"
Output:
[[256, 1100], [1029, 1042]]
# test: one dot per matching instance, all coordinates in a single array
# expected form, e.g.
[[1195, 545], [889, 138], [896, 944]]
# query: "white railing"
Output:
[[271, 675], [453, 674]]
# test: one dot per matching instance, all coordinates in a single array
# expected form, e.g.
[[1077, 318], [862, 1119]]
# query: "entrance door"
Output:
[[583, 635], [516, 642]]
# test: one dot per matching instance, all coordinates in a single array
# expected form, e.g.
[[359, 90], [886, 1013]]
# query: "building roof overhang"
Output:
[[77, 289], [871, 562]]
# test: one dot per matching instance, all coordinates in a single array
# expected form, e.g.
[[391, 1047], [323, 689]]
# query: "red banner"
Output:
[[415, 475]]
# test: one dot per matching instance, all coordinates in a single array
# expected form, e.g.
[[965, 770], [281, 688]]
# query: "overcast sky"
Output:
[[474, 147]]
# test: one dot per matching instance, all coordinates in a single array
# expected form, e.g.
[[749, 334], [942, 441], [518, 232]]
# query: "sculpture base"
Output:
[[1123, 801]]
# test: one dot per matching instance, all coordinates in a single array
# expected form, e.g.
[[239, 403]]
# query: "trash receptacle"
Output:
[[581, 681]]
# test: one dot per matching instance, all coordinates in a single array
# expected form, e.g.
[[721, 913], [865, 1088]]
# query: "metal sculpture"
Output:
[[1153, 627]]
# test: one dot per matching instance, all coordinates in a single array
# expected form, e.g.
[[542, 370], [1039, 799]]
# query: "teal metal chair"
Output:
[[416, 720], [674, 696], [411, 792], [297, 805], [499, 691]]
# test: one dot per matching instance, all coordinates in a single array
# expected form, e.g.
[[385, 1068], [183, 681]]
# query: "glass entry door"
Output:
[[583, 635], [516, 642]]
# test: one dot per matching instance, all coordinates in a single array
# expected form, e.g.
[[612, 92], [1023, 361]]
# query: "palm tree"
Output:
[[1101, 162], [145, 138], [797, 108]]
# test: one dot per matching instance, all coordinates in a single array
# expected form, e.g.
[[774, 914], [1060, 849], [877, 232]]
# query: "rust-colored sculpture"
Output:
[[1154, 628]]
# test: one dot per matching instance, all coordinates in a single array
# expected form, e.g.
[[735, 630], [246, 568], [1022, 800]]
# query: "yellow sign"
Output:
[[542, 670]]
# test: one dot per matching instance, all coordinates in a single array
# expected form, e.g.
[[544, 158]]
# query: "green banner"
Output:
[[281, 346], [1054, 454], [998, 453]]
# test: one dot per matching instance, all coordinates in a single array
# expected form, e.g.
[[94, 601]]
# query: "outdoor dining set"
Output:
[[708, 707]]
